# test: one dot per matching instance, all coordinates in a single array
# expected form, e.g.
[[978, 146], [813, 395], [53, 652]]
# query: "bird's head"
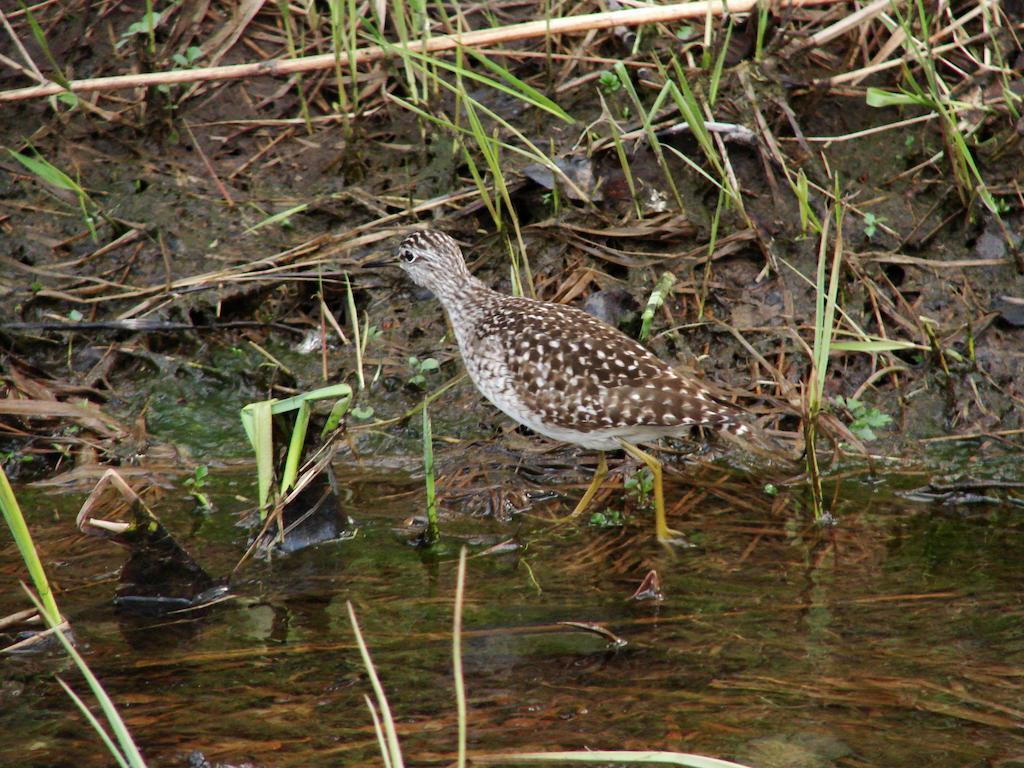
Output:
[[433, 260]]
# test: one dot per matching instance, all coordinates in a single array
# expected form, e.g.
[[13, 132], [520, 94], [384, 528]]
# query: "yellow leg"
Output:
[[599, 475], [664, 533]]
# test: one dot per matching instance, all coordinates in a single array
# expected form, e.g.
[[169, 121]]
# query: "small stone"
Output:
[[990, 246], [614, 306]]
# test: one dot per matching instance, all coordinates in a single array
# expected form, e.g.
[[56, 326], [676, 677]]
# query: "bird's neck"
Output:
[[465, 295], [466, 302]]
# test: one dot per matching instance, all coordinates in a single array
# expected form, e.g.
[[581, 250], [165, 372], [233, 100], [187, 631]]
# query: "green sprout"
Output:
[[188, 59], [871, 225], [196, 483], [420, 369], [607, 518], [362, 412], [609, 82], [866, 419], [640, 486], [143, 26]]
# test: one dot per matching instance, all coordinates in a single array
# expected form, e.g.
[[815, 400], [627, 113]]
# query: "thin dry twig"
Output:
[[507, 34]]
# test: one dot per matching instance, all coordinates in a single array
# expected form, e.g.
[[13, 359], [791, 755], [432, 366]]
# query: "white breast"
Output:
[[488, 369]]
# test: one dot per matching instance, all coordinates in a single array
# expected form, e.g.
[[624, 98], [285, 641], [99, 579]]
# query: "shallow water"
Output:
[[892, 639]]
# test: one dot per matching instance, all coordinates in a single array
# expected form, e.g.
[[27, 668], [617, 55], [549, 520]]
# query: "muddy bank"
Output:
[[192, 298]]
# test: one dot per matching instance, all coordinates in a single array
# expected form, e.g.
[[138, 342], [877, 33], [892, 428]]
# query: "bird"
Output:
[[562, 372]]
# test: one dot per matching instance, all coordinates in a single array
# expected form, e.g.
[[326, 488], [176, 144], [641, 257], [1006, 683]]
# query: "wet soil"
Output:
[[181, 246]]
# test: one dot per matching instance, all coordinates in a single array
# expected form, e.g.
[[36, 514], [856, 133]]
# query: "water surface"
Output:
[[892, 639]]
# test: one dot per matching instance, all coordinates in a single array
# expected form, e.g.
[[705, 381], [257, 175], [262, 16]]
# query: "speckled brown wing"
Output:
[[564, 347], [576, 372], [667, 402]]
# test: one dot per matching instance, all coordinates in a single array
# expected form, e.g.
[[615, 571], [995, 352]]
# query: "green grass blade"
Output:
[[647, 116], [124, 738], [337, 413], [23, 539], [320, 393], [698, 170], [517, 88], [277, 218], [298, 439], [95, 723], [763, 12], [48, 172], [485, 193], [686, 101], [620, 153], [808, 218], [716, 73], [876, 346], [484, 144], [394, 748], [825, 305], [433, 532], [878, 97], [531, 151], [688, 106], [527, 92], [382, 744], [354, 319], [40, 38], [257, 418]]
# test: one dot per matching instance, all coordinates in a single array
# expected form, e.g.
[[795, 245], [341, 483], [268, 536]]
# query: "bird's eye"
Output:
[[407, 256]]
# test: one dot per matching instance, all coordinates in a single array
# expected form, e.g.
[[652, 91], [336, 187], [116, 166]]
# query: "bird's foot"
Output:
[[670, 537]]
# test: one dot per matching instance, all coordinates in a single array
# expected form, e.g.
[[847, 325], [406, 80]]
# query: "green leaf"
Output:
[[875, 345], [298, 440], [47, 172], [875, 418], [278, 218], [864, 433], [143, 26], [609, 82], [877, 97], [362, 412], [336, 415], [23, 539], [257, 419]]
